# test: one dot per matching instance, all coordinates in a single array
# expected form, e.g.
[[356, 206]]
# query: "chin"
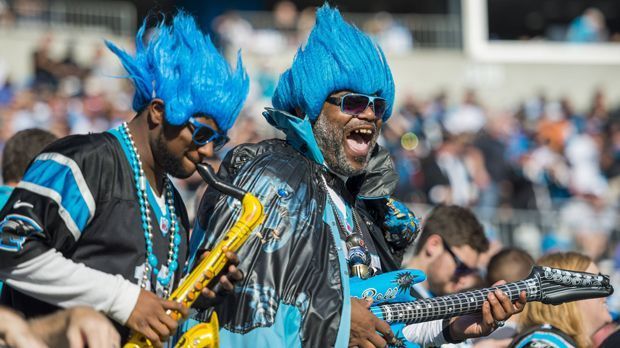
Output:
[[359, 163], [182, 170]]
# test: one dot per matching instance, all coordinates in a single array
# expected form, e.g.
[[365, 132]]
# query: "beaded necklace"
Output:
[[145, 214], [359, 258]]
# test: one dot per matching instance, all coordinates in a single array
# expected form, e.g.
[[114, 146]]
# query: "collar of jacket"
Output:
[[298, 133], [378, 181]]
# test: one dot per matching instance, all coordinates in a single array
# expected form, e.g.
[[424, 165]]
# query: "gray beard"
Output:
[[329, 139]]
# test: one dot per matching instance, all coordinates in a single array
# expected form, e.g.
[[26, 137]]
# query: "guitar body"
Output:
[[391, 287]]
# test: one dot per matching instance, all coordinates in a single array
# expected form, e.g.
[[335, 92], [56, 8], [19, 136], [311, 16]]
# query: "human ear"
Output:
[[432, 246], [156, 111]]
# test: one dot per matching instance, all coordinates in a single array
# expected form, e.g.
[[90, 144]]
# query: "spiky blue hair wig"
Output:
[[338, 56], [180, 65]]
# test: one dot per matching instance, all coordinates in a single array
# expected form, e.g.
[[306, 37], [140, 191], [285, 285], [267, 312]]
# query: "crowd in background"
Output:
[[541, 155], [551, 169]]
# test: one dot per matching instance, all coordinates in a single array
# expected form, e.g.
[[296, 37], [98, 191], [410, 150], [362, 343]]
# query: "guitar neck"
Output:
[[452, 305]]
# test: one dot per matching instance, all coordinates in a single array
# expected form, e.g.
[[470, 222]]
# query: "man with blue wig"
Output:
[[326, 192], [96, 219]]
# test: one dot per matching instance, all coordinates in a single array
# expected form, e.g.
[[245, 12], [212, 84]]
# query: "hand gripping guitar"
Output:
[[544, 284], [205, 335]]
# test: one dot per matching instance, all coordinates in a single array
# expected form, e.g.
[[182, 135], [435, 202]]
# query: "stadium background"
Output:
[[509, 107]]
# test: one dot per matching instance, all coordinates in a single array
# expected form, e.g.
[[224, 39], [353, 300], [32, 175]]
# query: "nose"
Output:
[[368, 114], [206, 150]]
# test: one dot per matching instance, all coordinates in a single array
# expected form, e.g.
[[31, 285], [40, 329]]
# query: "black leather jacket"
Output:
[[293, 292]]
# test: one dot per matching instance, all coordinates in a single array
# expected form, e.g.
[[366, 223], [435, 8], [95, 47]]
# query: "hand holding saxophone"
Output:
[[150, 315], [226, 282]]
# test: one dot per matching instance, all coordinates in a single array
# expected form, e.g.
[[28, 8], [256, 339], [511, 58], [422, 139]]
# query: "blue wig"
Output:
[[338, 56], [180, 65]]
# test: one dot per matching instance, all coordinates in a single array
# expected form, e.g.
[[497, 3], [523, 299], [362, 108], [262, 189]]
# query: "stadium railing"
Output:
[[118, 17]]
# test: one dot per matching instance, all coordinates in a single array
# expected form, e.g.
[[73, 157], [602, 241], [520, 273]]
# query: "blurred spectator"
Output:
[[45, 69], [447, 251], [610, 158], [19, 150], [492, 145], [599, 113], [6, 14], [510, 264], [307, 17], [444, 176], [467, 117], [588, 221], [393, 38], [32, 11], [76, 327], [285, 20], [6, 88], [233, 31], [589, 27]]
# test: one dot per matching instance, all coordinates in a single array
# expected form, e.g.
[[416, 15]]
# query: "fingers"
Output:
[[384, 329], [160, 329], [520, 304], [74, 336], [152, 336], [115, 338], [505, 302], [97, 339], [487, 317], [376, 340], [233, 259], [366, 344], [176, 306], [169, 322], [226, 284], [367, 302], [208, 293], [227, 281], [234, 273], [23, 342], [497, 311]]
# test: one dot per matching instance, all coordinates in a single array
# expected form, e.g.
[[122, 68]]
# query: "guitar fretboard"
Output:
[[452, 305]]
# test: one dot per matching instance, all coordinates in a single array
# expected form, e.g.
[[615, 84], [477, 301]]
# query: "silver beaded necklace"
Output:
[[174, 239]]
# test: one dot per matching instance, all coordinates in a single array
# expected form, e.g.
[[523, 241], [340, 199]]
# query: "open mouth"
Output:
[[358, 141]]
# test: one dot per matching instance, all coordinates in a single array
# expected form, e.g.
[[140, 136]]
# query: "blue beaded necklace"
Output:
[[145, 214]]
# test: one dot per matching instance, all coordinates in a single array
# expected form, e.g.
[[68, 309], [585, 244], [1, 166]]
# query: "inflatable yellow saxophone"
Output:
[[206, 335]]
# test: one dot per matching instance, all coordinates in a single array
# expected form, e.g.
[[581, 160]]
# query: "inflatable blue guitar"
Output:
[[394, 302]]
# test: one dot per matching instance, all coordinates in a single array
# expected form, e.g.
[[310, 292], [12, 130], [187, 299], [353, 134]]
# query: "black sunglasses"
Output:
[[203, 134], [355, 103], [461, 268]]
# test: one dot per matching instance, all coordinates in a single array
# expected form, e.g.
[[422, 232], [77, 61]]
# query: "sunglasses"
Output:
[[203, 134], [461, 268], [354, 104]]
